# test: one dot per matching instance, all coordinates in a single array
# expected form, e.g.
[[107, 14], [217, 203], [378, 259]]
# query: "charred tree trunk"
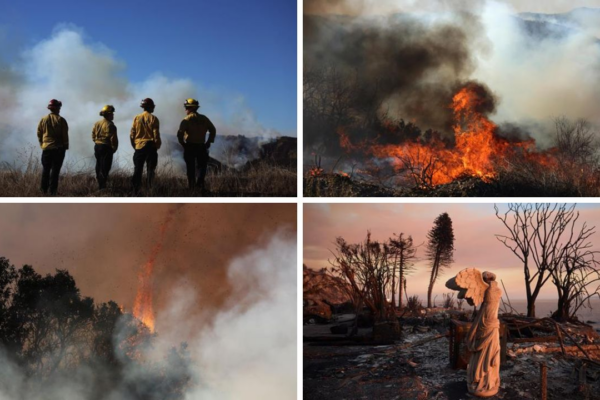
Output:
[[432, 279], [563, 312], [531, 307], [400, 285]]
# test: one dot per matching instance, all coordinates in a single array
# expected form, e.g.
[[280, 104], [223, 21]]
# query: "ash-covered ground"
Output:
[[417, 366]]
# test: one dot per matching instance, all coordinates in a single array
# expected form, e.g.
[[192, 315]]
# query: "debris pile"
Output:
[[416, 366]]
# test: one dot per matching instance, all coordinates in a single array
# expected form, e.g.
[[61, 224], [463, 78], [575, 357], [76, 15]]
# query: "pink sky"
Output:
[[474, 228]]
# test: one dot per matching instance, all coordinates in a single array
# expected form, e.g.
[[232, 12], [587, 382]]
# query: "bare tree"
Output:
[[366, 268], [539, 235], [404, 254], [576, 142], [576, 276], [440, 249]]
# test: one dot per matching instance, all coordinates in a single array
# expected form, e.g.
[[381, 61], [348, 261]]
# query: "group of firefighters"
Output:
[[53, 135]]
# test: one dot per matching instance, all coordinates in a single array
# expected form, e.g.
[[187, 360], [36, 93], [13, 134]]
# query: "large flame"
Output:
[[477, 150], [143, 308]]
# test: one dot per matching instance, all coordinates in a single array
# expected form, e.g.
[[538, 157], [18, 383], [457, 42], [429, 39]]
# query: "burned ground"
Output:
[[416, 366]]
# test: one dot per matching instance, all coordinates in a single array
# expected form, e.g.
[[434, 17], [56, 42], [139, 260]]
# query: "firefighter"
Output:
[[104, 135], [192, 136], [145, 139], [53, 135]]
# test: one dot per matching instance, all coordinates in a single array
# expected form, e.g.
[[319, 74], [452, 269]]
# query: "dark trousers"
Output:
[[52, 161], [195, 156], [147, 155], [104, 159]]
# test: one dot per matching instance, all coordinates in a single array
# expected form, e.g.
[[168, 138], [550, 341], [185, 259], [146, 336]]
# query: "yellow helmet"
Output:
[[107, 109], [191, 103]]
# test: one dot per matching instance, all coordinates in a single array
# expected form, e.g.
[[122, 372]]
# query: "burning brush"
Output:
[[478, 150]]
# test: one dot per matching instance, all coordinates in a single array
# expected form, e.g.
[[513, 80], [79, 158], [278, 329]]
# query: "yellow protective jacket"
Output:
[[53, 132], [145, 129], [193, 129], [105, 132]]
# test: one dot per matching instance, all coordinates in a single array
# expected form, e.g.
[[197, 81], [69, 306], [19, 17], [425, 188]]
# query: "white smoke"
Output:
[[85, 76], [247, 350], [539, 78]]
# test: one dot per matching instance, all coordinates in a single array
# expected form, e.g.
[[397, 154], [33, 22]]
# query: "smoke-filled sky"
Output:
[[225, 283], [474, 228], [104, 245], [238, 59], [417, 53], [389, 6]]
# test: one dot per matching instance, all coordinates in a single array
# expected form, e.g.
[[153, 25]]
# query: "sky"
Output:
[[104, 245], [474, 228], [230, 49]]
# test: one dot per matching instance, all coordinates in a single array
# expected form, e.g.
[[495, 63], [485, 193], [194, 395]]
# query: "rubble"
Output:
[[321, 294], [416, 366]]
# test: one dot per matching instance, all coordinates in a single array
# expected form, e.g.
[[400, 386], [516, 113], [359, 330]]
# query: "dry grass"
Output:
[[258, 181]]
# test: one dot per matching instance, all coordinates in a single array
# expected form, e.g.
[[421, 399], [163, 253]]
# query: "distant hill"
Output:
[[539, 26], [245, 152]]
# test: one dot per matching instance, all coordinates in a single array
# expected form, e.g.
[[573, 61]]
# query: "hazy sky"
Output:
[[474, 229], [104, 245], [235, 49], [393, 6]]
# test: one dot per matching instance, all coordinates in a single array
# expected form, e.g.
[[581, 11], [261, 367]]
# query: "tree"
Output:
[[51, 319], [541, 236], [8, 276], [440, 249], [365, 267], [576, 274], [404, 254]]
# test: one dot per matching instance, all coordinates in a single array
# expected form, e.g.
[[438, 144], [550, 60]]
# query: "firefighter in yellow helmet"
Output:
[[104, 135], [53, 135], [145, 139], [192, 136]]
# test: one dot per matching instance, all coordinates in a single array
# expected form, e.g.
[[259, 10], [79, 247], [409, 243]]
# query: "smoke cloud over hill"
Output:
[[85, 76]]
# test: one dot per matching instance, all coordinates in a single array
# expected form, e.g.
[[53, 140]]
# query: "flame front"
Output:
[[477, 150], [143, 308]]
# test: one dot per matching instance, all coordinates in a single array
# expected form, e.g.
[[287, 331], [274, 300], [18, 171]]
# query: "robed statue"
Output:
[[483, 339]]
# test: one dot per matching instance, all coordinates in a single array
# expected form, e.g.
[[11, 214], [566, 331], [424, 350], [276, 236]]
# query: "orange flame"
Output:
[[477, 151], [143, 308]]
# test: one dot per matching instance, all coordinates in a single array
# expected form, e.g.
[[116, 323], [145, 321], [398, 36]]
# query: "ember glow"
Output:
[[143, 308], [478, 150]]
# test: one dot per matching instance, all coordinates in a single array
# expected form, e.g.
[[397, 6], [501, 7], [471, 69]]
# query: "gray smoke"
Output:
[[85, 76], [409, 57]]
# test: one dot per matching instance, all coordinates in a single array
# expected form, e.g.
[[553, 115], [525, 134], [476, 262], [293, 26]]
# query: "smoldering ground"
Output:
[[232, 300], [405, 59], [85, 75]]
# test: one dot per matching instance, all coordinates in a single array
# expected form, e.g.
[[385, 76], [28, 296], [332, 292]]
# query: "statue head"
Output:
[[488, 277]]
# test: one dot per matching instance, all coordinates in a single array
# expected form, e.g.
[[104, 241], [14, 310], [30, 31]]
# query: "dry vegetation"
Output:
[[258, 179]]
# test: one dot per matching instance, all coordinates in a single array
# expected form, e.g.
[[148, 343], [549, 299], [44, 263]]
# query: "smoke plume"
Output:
[[85, 76], [405, 59]]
